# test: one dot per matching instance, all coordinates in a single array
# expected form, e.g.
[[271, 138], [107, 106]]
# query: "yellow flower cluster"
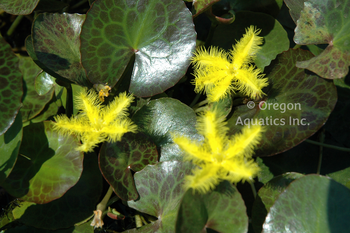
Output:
[[96, 123], [218, 73]]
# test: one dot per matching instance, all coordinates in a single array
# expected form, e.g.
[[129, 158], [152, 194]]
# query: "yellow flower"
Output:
[[96, 123], [219, 73], [219, 157]]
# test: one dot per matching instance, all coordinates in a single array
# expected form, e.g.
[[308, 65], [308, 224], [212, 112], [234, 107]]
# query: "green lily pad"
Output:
[[11, 86], [160, 34], [9, 147], [160, 117], [18, 7], [310, 204], [323, 22], [56, 44], [296, 106], [33, 103], [342, 177], [47, 165], [275, 37], [295, 7], [117, 160], [160, 189], [74, 206], [222, 210], [267, 196], [44, 83]]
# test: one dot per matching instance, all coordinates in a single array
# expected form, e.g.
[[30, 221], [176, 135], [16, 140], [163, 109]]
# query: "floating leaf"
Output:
[[11, 86], [310, 204], [163, 116], [117, 160], [267, 196], [56, 45], [160, 189], [295, 7], [326, 22], [296, 106], [342, 176], [9, 147], [159, 33], [18, 7], [44, 83], [47, 166], [200, 6], [222, 210], [275, 37]]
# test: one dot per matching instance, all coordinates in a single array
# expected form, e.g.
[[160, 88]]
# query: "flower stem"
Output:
[[253, 188], [103, 204], [328, 146], [14, 24]]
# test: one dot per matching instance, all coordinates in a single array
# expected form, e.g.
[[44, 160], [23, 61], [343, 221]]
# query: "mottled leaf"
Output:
[[160, 189], [47, 165], [267, 196], [18, 7], [11, 86], [310, 204], [56, 45], [117, 160], [326, 22], [295, 7], [159, 33], [9, 147], [160, 117], [222, 210], [33, 103], [296, 106], [275, 37]]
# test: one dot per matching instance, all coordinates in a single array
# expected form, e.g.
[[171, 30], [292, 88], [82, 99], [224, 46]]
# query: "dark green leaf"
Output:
[[18, 7], [296, 106], [295, 7], [47, 167], [11, 86], [159, 33], [326, 22], [44, 83], [310, 204], [117, 160]]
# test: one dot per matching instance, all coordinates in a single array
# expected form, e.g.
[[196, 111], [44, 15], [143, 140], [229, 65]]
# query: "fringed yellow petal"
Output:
[[245, 49], [66, 126], [243, 144], [249, 82], [244, 171], [117, 108], [90, 105], [117, 129], [221, 90], [203, 179], [214, 57], [90, 141]]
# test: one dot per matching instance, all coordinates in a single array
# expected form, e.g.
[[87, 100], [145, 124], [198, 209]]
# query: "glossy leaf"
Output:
[[326, 22], [159, 33], [275, 37], [11, 86], [222, 210], [163, 116], [33, 103], [47, 166], [18, 7], [56, 44], [44, 83], [267, 196], [160, 189], [74, 206], [310, 204], [9, 147], [117, 160], [296, 106]]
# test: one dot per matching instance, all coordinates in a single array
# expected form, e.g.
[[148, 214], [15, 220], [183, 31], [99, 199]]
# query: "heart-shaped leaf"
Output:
[[33, 103], [47, 166], [56, 45], [296, 106], [163, 116], [160, 34], [11, 86], [267, 196], [160, 189], [222, 210], [275, 37], [326, 22], [310, 204], [9, 147], [117, 160], [18, 7]]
